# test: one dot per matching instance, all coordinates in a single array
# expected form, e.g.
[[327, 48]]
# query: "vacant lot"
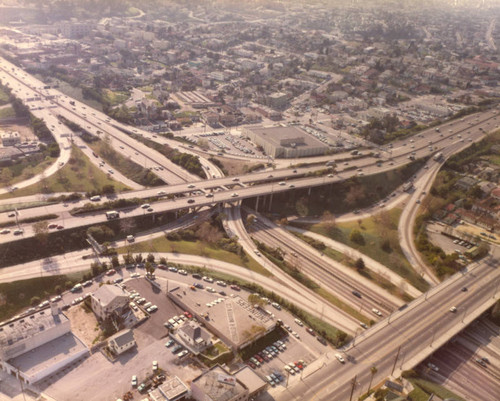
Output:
[[83, 324]]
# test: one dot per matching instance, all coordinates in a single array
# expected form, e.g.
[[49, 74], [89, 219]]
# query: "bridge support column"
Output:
[[257, 204], [270, 202], [309, 192]]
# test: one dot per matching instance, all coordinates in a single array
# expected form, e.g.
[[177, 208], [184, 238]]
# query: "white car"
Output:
[[433, 367], [161, 193], [340, 358], [5, 231], [155, 366], [377, 312], [145, 206], [134, 381], [453, 309], [234, 195]]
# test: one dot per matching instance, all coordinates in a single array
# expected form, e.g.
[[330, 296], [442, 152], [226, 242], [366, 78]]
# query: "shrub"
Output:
[[357, 237]]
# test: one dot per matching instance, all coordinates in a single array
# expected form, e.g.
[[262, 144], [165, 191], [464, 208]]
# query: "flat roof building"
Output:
[[108, 300], [286, 142], [35, 346], [218, 384], [232, 319], [10, 138], [173, 389]]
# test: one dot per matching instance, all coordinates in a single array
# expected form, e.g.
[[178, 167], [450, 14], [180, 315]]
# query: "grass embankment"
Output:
[[17, 295], [28, 168], [78, 175], [115, 98], [425, 388], [7, 112], [199, 248], [376, 237], [126, 166], [340, 197], [4, 97], [346, 260]]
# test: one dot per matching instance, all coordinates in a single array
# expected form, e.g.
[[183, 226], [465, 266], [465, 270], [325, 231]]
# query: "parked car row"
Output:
[[267, 354]]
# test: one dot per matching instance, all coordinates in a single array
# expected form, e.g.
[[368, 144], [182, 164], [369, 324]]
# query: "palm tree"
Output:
[[373, 370]]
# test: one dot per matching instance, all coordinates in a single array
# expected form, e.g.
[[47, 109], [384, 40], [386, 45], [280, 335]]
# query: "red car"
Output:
[[235, 287], [52, 225], [251, 364], [188, 315], [259, 358], [110, 272], [299, 365], [310, 331]]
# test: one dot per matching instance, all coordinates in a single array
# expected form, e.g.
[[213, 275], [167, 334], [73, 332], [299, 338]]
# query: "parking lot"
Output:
[[90, 379], [166, 308]]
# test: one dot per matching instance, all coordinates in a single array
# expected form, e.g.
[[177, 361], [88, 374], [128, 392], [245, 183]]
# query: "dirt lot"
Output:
[[236, 167], [83, 324], [25, 131]]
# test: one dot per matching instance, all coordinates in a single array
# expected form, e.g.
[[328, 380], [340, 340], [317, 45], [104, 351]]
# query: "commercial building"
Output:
[[11, 138], [109, 300], [251, 380], [173, 389], [232, 319], [121, 341], [194, 337], [277, 100], [286, 142], [35, 346], [217, 384]]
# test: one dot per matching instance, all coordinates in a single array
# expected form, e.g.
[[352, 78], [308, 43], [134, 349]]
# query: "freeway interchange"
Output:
[[375, 347]]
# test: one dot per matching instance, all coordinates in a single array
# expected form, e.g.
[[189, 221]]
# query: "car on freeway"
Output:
[[433, 367], [234, 195], [57, 298], [363, 325], [18, 231], [191, 186], [377, 312], [145, 206], [310, 331], [13, 214], [453, 309], [340, 358], [191, 201], [160, 193], [5, 231], [208, 279]]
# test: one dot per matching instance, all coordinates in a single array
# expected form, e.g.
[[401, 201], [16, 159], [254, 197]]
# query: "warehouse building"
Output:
[[286, 142]]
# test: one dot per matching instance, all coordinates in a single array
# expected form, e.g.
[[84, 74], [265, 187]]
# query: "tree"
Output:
[[115, 262], [255, 299], [6, 175], [355, 194], [35, 301], [150, 258], [328, 221], [359, 264], [139, 258], [373, 370], [163, 260], [41, 231], [357, 237]]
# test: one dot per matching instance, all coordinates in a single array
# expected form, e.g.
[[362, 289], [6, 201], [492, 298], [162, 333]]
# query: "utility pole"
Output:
[[353, 382], [395, 360]]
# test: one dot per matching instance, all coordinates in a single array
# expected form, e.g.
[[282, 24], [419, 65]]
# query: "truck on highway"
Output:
[[438, 156], [113, 214]]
